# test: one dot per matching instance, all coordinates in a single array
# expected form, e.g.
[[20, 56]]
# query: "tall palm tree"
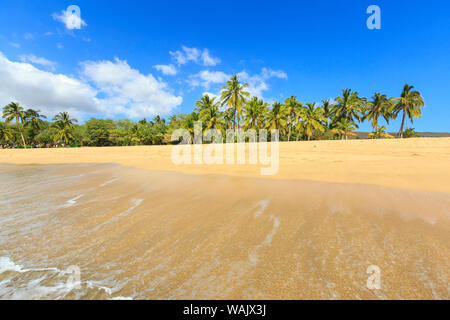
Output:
[[5, 132], [292, 106], [254, 112], [410, 102], [233, 95], [312, 120], [277, 117], [350, 106], [209, 113], [379, 106], [14, 111], [64, 125]]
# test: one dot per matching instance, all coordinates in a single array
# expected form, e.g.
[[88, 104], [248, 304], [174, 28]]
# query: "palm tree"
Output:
[[327, 108], [64, 118], [209, 113], [410, 103], [233, 95], [14, 111], [228, 117], [189, 124], [34, 123], [33, 118], [299, 115], [5, 132], [64, 126], [349, 106], [312, 120], [204, 103], [345, 128], [253, 113], [380, 105], [292, 106], [277, 117]]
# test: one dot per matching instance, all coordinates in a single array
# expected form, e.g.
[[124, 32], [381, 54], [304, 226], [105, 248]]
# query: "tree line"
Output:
[[235, 109]]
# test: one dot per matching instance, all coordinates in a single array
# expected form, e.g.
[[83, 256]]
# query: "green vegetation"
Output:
[[332, 119]]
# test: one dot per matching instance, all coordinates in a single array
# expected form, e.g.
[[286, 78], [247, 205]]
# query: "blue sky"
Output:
[[137, 58]]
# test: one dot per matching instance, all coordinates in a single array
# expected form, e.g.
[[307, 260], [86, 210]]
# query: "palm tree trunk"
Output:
[[403, 123], [21, 134], [236, 111], [290, 128]]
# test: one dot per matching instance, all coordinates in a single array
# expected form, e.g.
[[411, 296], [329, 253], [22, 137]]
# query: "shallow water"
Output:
[[137, 234]]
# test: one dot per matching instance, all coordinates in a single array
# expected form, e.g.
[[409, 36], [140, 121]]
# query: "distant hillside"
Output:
[[365, 135]]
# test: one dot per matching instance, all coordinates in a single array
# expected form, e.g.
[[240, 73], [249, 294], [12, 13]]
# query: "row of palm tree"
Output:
[[33, 118], [339, 116], [235, 109]]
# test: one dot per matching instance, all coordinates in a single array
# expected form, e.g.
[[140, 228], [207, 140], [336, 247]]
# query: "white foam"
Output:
[[136, 203], [6, 264], [73, 201], [34, 288], [108, 182], [122, 298]]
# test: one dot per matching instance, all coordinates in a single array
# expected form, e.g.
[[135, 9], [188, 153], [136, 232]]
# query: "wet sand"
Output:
[[145, 234]]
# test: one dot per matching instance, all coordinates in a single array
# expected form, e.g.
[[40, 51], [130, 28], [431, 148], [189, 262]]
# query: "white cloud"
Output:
[[28, 36], [185, 55], [209, 60], [70, 19], [168, 70], [257, 83], [205, 78], [128, 91], [39, 61], [59, 46], [49, 92], [109, 88], [198, 56], [269, 73], [15, 44]]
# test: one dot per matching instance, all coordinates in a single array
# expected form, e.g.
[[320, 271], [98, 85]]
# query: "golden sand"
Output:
[[152, 234], [418, 164]]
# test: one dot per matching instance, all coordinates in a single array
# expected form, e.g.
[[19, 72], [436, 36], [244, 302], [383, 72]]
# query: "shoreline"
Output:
[[421, 164]]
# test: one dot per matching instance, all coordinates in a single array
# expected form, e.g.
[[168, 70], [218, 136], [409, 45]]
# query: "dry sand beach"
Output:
[[140, 227], [415, 164]]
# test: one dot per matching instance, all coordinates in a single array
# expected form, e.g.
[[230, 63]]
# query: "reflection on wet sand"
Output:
[[164, 235]]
